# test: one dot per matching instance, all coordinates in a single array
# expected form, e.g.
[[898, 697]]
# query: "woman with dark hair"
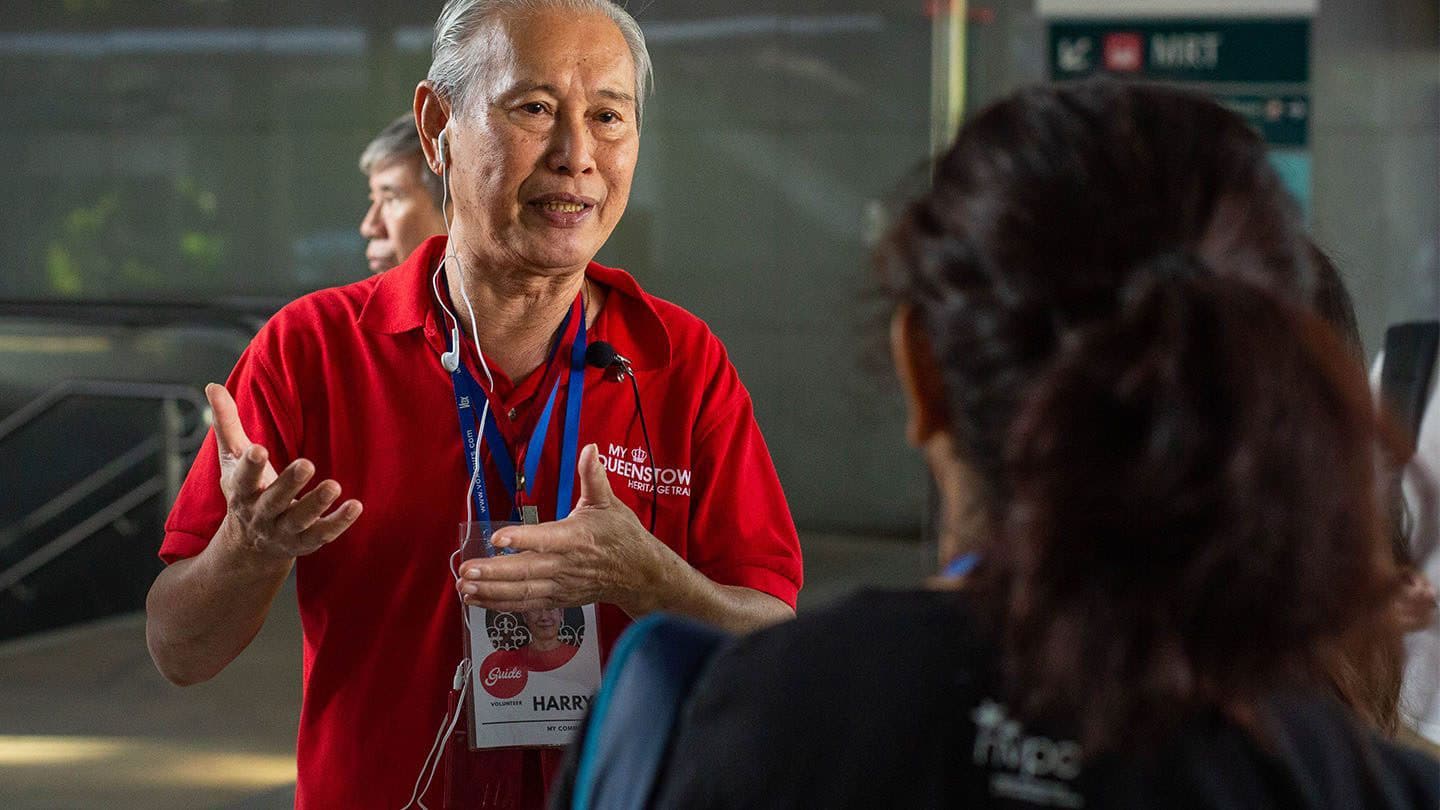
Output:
[[1161, 458]]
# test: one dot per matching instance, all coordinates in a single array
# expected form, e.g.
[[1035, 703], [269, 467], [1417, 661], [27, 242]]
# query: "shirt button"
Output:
[[512, 414]]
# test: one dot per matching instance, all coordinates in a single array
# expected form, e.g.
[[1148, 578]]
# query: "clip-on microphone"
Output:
[[603, 356]]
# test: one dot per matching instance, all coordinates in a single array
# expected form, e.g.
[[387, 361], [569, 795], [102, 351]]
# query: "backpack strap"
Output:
[[627, 735]]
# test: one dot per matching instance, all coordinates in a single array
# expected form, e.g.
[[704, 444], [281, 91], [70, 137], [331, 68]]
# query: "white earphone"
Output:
[[449, 360]]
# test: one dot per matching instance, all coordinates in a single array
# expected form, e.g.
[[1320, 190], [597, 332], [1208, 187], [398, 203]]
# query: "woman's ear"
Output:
[[920, 377]]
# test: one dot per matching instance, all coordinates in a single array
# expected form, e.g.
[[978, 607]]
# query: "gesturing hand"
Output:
[[1415, 603], [262, 513], [600, 553]]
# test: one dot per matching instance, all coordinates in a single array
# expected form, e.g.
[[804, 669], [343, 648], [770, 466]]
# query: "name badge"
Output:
[[535, 671]]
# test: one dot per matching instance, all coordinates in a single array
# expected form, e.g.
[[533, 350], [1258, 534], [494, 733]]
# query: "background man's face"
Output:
[[544, 155], [402, 213]]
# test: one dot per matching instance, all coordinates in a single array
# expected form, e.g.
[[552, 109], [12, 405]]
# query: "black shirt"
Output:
[[887, 700]]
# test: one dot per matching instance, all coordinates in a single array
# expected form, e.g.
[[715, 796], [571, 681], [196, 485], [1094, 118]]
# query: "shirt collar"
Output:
[[632, 325], [402, 300]]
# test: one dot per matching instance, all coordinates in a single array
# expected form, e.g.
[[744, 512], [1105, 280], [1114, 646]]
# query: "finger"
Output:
[[331, 526], [512, 568], [556, 537], [520, 606], [246, 478], [531, 591], [229, 433], [303, 513], [282, 491], [594, 483]]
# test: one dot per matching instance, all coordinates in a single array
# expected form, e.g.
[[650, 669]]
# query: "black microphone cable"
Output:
[[603, 356], [649, 453]]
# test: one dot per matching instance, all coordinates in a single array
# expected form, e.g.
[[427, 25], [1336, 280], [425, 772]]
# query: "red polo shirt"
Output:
[[350, 378]]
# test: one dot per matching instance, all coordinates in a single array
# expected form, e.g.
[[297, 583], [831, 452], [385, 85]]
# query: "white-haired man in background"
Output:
[[532, 112]]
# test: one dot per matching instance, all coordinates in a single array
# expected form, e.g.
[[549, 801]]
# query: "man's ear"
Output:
[[432, 114], [920, 377]]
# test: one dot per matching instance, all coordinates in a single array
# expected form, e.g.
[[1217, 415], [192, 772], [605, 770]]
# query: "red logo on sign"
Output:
[[1124, 52], [502, 675]]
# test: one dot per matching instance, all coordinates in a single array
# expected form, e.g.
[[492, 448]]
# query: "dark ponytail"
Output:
[[1191, 505]]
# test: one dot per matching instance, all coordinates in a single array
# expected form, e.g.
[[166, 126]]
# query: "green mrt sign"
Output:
[[1269, 51]]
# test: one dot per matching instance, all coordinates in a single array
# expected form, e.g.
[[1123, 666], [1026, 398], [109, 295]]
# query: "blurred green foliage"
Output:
[[128, 241]]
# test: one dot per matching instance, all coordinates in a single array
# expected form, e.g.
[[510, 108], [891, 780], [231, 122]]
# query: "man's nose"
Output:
[[572, 146], [372, 226]]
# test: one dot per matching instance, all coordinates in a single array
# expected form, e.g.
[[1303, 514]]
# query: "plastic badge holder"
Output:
[[475, 538], [519, 696]]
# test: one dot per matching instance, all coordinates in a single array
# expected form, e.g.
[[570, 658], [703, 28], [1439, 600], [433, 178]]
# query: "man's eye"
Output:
[[534, 108], [608, 117]]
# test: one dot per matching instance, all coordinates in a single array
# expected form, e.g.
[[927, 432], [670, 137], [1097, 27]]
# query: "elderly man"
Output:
[[531, 112], [405, 196]]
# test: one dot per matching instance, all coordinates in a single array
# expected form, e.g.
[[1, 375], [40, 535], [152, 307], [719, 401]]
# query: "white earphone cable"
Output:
[[431, 765]]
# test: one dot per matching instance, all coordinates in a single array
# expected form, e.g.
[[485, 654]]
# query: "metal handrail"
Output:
[[101, 388], [169, 443], [243, 317], [85, 488], [108, 514]]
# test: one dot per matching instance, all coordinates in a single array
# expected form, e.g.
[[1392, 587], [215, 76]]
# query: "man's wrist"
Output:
[[667, 585], [241, 556]]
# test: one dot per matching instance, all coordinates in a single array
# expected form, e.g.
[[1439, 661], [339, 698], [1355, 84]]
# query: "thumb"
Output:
[[229, 433], [594, 483]]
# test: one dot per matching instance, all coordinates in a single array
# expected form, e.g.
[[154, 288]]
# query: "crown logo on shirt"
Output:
[[638, 455]]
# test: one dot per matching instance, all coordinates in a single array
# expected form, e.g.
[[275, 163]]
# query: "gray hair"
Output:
[[400, 139], [454, 64]]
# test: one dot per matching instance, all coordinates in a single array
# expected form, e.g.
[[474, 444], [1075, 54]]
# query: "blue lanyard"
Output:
[[962, 565], [469, 402]]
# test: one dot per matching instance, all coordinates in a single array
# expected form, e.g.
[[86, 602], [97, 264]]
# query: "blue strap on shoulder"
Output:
[[627, 739]]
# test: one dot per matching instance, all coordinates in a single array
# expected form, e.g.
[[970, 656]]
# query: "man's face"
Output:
[[543, 157], [402, 213]]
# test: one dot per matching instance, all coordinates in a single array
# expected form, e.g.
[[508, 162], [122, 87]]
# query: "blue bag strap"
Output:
[[627, 737]]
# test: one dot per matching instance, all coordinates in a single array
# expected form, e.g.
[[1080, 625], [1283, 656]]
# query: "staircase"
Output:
[[105, 415]]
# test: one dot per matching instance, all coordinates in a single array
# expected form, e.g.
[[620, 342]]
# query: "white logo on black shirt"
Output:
[[1033, 769]]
